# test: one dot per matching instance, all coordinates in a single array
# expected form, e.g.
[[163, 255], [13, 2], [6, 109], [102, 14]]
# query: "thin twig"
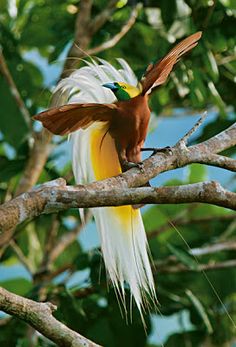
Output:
[[201, 267], [50, 242], [102, 17], [66, 240], [218, 247], [14, 91], [20, 255], [185, 138], [225, 60], [115, 39], [182, 221]]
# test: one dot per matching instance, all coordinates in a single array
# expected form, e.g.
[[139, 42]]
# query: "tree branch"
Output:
[[56, 196], [14, 90], [66, 240], [39, 316], [20, 255], [182, 220], [51, 237], [37, 159], [217, 247], [47, 199], [163, 268], [115, 39], [219, 161], [85, 28], [185, 138], [41, 147], [102, 17], [179, 157]]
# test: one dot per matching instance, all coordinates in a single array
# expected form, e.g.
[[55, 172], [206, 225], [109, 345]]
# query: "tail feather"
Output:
[[125, 253]]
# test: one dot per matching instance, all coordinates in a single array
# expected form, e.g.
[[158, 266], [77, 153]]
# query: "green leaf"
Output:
[[187, 338], [3, 5], [12, 123], [154, 218], [183, 257], [82, 261], [229, 3], [10, 168], [94, 332], [12, 260], [70, 252], [168, 11], [19, 286], [197, 172], [200, 309]]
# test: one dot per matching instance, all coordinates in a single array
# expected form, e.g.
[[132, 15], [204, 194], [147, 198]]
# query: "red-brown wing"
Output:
[[68, 118], [157, 74]]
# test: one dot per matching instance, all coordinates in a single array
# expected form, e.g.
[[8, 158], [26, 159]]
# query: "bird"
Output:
[[107, 116]]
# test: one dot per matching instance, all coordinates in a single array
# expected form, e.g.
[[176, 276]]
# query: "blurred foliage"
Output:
[[34, 33]]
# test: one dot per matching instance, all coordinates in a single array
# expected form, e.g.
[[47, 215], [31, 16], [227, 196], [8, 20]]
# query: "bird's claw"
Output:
[[129, 165], [166, 150], [140, 166]]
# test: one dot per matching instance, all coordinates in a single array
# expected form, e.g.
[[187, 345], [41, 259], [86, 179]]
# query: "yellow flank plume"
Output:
[[105, 163], [104, 156]]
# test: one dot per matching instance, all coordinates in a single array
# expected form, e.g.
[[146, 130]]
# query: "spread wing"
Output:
[[157, 74], [68, 118]]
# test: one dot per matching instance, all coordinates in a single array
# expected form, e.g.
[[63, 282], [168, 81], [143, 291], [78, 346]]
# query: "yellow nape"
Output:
[[131, 90]]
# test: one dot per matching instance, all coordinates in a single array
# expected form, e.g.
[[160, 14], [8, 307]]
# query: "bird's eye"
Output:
[[124, 87]]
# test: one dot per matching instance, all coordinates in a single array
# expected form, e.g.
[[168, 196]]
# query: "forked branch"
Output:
[[55, 196], [40, 316]]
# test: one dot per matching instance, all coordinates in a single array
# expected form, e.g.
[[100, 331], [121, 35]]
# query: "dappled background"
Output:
[[193, 246]]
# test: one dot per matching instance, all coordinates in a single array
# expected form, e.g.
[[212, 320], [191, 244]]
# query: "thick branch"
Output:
[[58, 196], [37, 159], [39, 316], [47, 199], [35, 201], [180, 157], [219, 161]]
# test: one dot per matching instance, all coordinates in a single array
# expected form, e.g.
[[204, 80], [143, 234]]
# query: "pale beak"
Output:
[[111, 86]]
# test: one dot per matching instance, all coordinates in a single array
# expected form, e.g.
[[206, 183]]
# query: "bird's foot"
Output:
[[166, 150], [129, 165]]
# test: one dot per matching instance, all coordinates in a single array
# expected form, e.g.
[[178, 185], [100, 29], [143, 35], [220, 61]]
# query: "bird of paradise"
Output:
[[107, 113]]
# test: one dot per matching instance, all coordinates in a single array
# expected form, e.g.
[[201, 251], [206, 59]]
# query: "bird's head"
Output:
[[122, 91]]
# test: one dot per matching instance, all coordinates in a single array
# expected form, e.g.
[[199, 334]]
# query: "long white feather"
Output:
[[123, 240]]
